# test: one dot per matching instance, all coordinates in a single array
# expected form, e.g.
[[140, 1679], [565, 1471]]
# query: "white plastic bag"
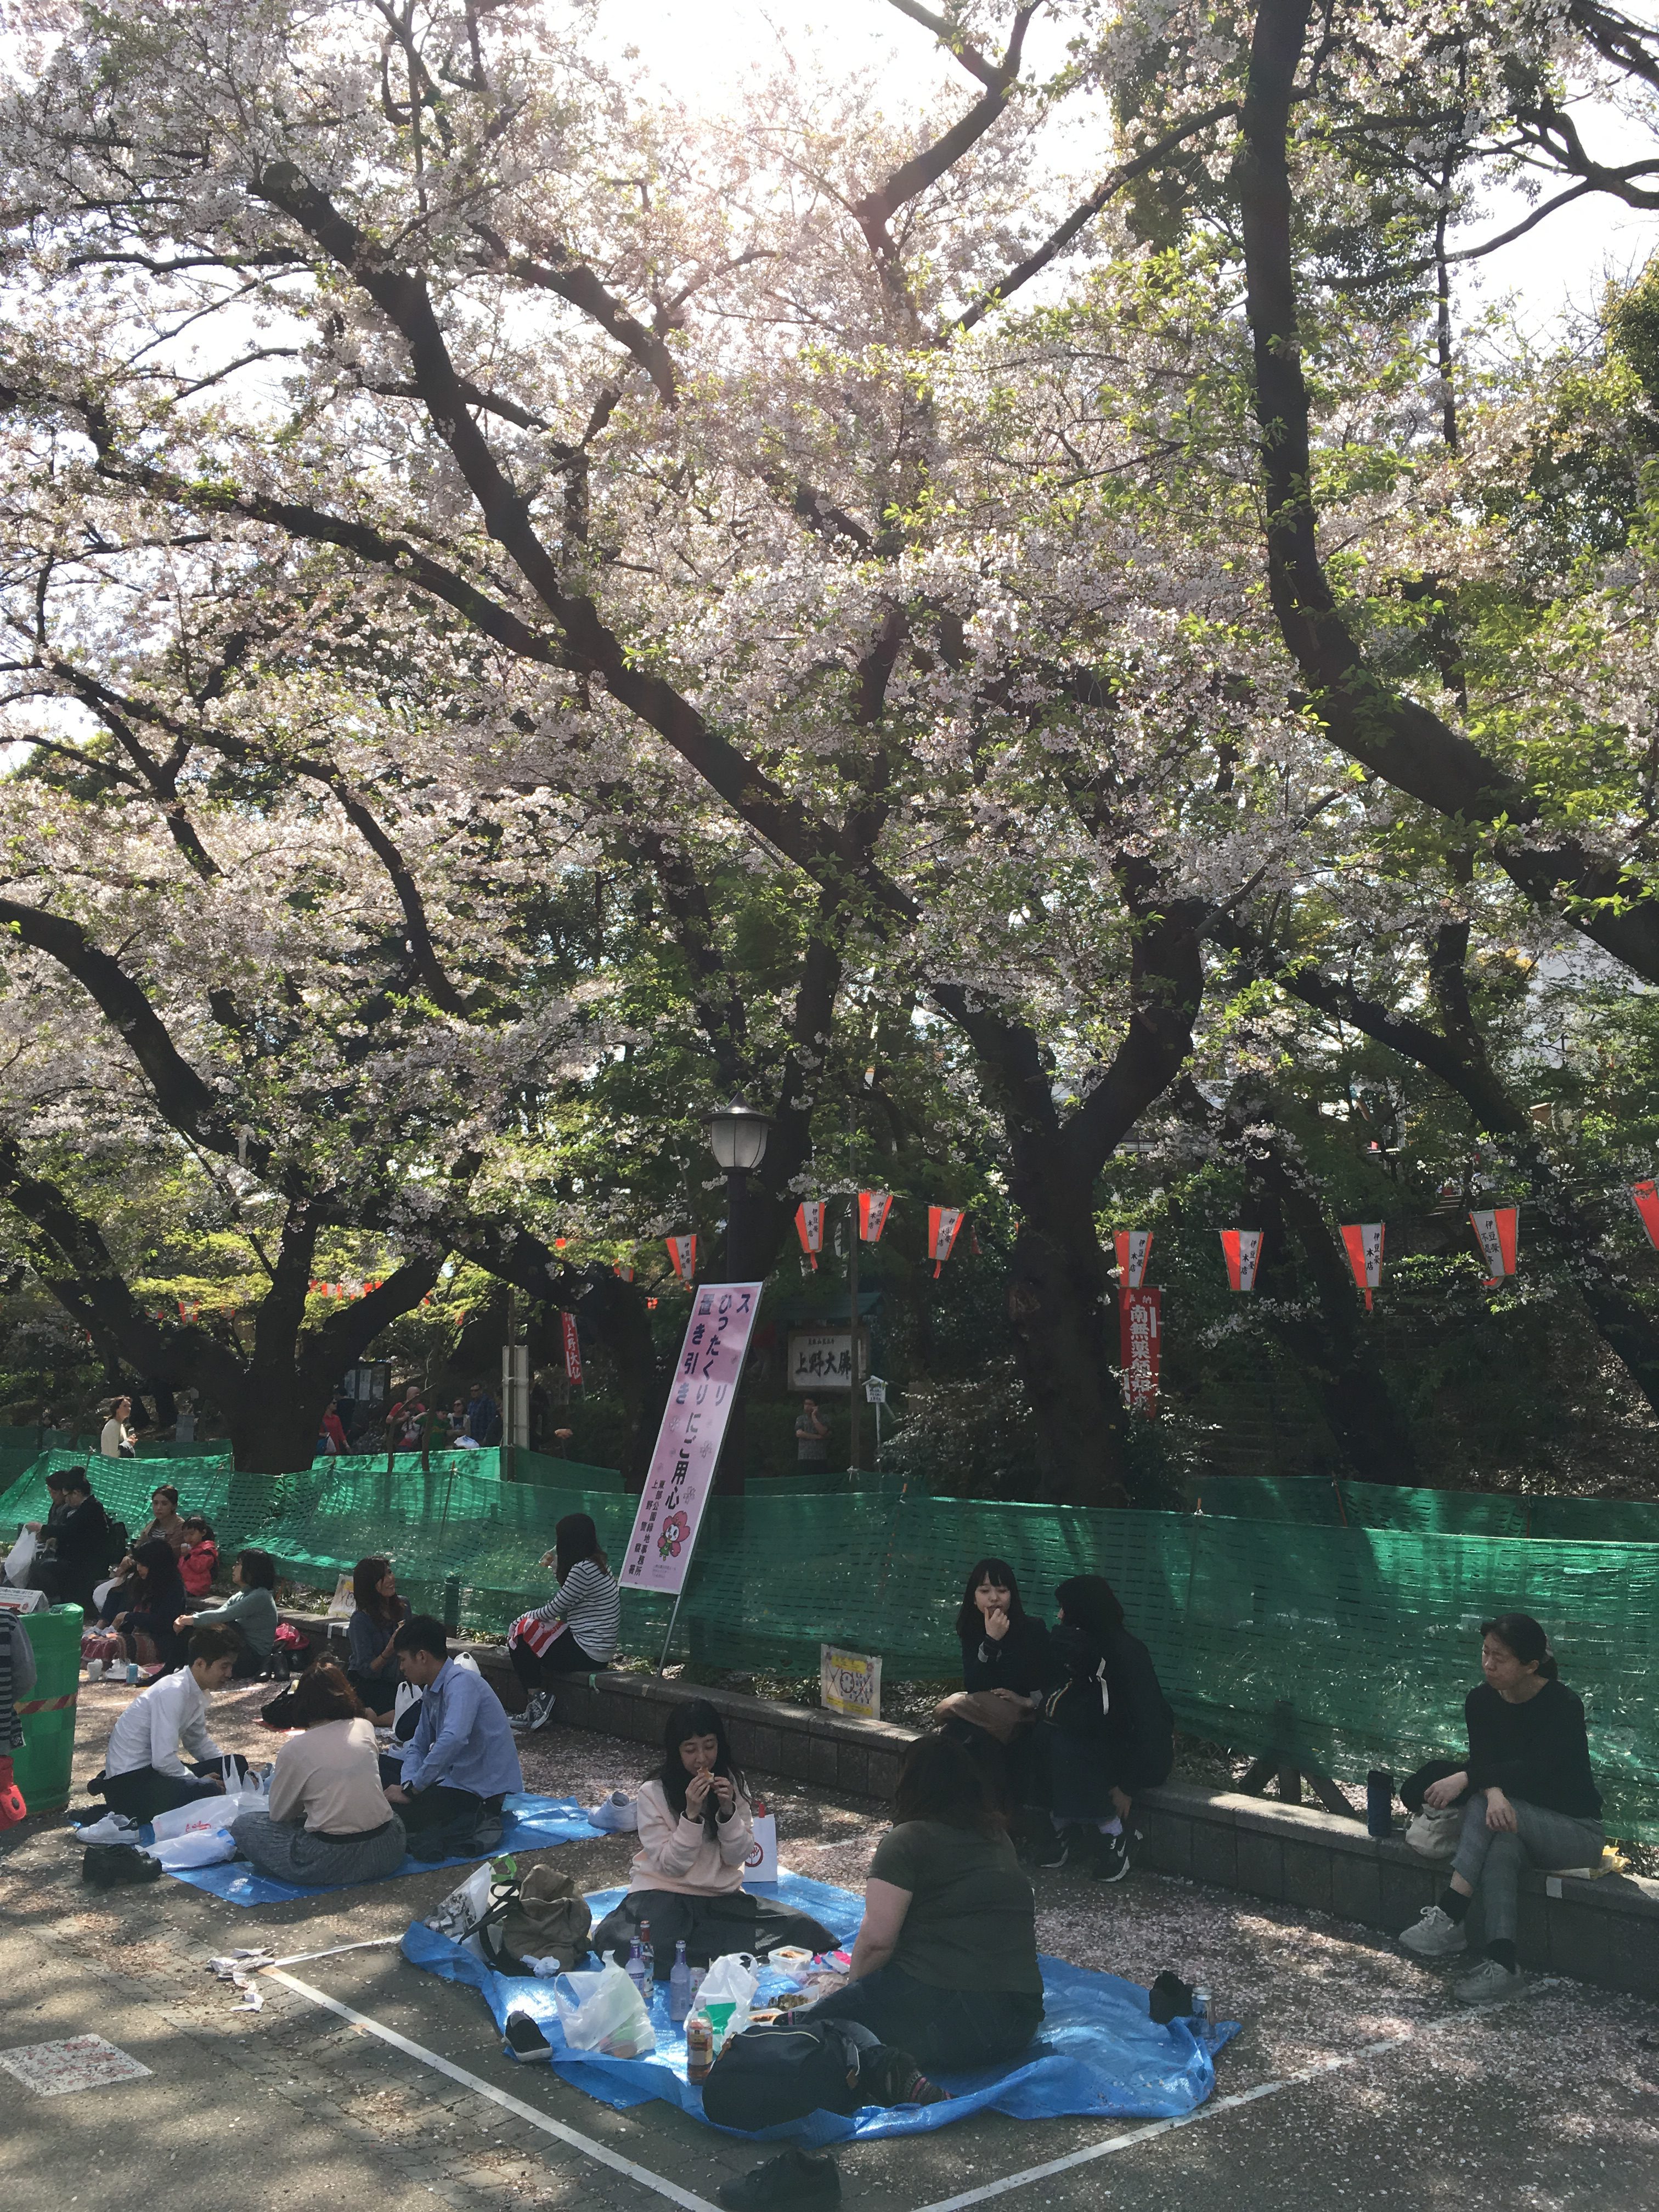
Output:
[[731, 1979], [102, 1592], [460, 1912], [21, 1558], [617, 1814], [605, 2013], [197, 1847], [200, 1813]]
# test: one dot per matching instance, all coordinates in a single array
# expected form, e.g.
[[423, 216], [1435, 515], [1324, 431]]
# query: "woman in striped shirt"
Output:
[[576, 1632]]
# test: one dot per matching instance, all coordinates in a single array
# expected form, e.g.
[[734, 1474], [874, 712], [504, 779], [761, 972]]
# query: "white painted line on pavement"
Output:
[[583, 2144], [1213, 2110], [336, 1951]]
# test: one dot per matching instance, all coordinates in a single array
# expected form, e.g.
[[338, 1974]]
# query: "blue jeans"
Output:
[[949, 2029]]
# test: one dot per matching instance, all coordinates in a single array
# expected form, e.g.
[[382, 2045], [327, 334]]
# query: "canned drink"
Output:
[[1203, 2004], [132, 1670]]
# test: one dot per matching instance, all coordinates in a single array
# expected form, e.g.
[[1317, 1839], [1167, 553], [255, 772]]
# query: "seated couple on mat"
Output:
[[1067, 1723], [696, 1835], [448, 1785], [1528, 1795], [576, 1633], [944, 1975], [328, 1821]]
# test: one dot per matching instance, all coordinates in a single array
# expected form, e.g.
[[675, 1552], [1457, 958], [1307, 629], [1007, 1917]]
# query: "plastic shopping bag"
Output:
[[202, 1813], [21, 1558], [467, 1905], [197, 1847], [606, 2013]]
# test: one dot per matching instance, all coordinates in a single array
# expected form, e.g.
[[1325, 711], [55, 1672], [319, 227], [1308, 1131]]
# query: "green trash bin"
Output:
[[42, 1764]]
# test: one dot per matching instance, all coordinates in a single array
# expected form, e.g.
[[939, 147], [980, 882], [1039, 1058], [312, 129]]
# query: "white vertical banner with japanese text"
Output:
[[688, 1442]]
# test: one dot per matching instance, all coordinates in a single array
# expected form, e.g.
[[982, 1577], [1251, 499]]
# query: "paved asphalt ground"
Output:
[[1368, 2086]]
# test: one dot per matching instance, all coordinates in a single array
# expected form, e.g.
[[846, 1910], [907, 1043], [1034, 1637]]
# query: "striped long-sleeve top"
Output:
[[589, 1603]]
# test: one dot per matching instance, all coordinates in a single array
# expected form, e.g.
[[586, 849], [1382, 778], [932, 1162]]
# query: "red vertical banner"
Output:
[[1140, 1313], [809, 1227], [874, 1206], [1134, 1247], [1644, 1197], [943, 1223], [683, 1251], [1364, 1242], [1497, 1231], [572, 1350], [1241, 1249], [625, 1273]]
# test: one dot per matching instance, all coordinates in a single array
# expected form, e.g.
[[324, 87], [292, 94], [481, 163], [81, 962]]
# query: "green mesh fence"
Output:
[[1312, 1499], [1363, 1640]]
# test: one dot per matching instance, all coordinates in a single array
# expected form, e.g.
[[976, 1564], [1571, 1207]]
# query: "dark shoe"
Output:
[[887, 2076], [432, 1846], [790, 2183], [487, 1836], [1111, 1858], [107, 1864]]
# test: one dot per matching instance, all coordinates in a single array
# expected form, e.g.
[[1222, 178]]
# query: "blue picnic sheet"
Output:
[[1097, 2052], [528, 1824]]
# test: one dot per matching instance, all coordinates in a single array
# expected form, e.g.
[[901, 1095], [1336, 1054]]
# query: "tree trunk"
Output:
[[1060, 1318], [1331, 1346], [274, 1420]]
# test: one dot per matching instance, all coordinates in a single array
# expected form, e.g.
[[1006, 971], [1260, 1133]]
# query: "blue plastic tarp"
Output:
[[528, 1824], [1097, 2053]]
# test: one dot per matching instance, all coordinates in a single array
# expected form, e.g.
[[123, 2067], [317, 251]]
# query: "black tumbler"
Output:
[[1379, 1801]]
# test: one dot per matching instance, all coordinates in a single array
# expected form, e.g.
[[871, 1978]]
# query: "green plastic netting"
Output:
[[1311, 1499], [1363, 1640]]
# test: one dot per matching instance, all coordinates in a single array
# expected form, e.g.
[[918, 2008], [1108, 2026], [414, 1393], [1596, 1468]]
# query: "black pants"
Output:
[[144, 1792], [563, 1656], [379, 1692], [707, 1926], [1083, 1770], [439, 1806], [942, 2028]]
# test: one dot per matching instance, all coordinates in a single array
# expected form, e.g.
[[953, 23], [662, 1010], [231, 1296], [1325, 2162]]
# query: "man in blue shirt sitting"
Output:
[[462, 1759]]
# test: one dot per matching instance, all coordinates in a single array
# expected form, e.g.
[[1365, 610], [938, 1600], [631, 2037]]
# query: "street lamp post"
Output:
[[737, 1138]]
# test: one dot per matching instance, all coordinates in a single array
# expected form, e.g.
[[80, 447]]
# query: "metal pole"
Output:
[[853, 1291]]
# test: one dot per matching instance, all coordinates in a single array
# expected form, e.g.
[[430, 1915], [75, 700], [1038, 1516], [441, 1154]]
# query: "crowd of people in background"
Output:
[[1036, 1762]]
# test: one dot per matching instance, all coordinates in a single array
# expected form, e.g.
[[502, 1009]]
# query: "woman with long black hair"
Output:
[[157, 1599], [576, 1633], [1007, 1665], [378, 1613], [695, 1837], [1529, 1799]]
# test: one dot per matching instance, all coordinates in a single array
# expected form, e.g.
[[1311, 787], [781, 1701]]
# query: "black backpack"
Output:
[[780, 2070]]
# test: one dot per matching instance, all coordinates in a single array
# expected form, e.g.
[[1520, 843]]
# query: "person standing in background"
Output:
[[116, 1440], [812, 1435], [184, 1423]]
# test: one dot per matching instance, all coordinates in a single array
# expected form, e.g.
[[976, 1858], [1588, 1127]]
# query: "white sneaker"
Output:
[[1436, 1934], [1488, 1984]]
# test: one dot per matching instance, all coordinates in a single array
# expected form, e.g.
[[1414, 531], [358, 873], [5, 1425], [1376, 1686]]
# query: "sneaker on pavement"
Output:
[[784, 2184], [536, 1713], [1111, 1858], [1435, 1934], [1488, 1984]]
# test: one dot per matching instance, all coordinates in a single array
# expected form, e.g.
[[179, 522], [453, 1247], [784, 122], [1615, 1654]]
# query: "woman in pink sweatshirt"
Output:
[[695, 1837]]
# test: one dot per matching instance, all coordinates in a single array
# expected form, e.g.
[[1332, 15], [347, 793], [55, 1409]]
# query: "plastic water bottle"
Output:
[[679, 1987], [647, 1959], [635, 1968]]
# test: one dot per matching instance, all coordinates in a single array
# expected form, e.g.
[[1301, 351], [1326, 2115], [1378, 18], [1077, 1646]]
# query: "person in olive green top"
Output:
[[945, 1964], [251, 1611]]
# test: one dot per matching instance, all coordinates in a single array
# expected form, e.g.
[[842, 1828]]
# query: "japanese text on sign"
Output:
[[682, 1472]]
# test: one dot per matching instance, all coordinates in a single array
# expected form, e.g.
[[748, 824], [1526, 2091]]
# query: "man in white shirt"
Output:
[[144, 1773]]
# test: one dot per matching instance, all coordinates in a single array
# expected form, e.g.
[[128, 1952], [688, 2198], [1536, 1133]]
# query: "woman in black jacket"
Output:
[[159, 1599], [1007, 1668], [1529, 1797], [1108, 1729]]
